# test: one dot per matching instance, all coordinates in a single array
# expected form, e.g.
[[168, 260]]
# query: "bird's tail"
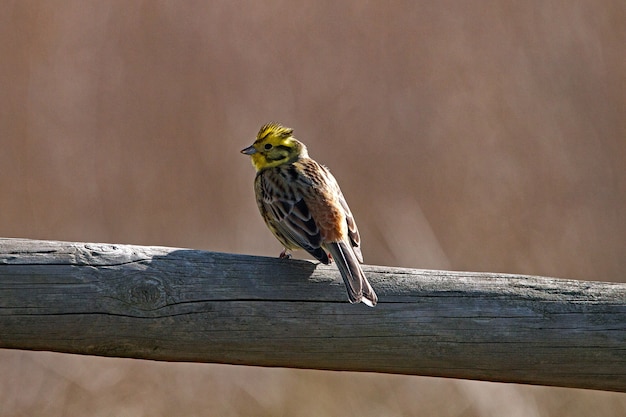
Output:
[[359, 289]]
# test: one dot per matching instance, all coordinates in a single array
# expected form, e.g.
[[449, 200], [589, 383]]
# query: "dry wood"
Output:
[[189, 305]]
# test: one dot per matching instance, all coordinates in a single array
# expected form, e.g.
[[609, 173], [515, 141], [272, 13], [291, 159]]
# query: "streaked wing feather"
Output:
[[291, 216]]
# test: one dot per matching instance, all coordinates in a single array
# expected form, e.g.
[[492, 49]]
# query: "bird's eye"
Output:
[[268, 146]]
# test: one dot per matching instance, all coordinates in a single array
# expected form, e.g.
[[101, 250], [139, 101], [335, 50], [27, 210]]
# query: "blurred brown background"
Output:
[[483, 136]]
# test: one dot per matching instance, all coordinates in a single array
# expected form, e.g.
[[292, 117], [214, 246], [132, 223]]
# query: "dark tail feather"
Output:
[[359, 289]]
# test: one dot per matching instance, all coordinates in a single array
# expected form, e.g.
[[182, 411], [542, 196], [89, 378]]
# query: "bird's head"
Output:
[[274, 146]]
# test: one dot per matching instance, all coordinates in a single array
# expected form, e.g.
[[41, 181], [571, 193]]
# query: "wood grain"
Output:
[[187, 305]]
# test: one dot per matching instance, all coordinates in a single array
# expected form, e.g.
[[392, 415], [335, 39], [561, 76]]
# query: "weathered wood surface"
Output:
[[188, 305]]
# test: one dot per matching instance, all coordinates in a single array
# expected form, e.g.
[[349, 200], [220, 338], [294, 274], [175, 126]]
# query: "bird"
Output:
[[303, 206]]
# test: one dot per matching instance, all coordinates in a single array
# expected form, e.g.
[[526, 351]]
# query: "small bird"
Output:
[[302, 205]]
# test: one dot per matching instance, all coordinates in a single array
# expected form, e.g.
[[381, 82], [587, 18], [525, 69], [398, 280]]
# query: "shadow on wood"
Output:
[[187, 305]]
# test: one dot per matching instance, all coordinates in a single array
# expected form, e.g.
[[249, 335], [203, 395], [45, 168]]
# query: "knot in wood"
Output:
[[147, 293]]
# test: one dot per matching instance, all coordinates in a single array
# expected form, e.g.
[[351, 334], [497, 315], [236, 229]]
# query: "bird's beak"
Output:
[[249, 150]]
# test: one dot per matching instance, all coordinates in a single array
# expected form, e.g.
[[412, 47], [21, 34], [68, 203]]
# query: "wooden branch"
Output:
[[188, 305]]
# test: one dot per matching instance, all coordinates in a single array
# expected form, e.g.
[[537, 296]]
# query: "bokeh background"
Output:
[[484, 136]]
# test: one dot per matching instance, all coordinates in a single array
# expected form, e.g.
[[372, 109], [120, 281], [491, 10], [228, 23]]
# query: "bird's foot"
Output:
[[285, 254]]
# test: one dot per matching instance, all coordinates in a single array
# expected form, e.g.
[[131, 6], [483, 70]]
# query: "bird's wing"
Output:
[[288, 213]]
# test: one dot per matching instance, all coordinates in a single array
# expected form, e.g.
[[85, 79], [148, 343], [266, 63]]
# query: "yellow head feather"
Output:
[[274, 146]]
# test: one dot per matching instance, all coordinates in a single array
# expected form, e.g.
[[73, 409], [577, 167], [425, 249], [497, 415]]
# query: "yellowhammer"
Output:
[[303, 206]]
